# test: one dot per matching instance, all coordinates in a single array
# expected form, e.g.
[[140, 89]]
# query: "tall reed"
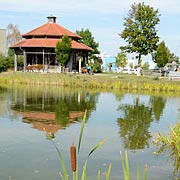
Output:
[[126, 168], [74, 161]]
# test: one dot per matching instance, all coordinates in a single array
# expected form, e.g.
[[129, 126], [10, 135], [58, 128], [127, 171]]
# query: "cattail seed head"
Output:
[[73, 157]]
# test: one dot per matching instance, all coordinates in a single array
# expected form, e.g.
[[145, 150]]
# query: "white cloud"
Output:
[[103, 17], [83, 6]]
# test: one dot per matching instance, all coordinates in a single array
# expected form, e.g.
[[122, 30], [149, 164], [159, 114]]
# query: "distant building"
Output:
[[3, 41], [109, 63]]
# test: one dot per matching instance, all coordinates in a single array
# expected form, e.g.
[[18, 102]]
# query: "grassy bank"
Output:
[[102, 81], [170, 142]]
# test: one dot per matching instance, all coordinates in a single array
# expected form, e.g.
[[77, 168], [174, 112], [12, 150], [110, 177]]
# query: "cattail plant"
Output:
[[73, 157]]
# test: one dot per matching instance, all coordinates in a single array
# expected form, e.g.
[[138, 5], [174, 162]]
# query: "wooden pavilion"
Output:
[[38, 47]]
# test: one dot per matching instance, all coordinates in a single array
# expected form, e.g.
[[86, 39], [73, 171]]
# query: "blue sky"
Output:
[[104, 18]]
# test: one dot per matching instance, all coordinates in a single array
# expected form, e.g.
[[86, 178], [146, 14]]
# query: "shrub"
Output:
[[170, 142]]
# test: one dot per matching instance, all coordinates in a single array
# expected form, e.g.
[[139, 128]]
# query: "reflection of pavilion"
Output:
[[4, 109], [44, 121]]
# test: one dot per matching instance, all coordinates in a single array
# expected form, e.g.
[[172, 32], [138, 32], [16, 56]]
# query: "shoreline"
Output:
[[103, 81]]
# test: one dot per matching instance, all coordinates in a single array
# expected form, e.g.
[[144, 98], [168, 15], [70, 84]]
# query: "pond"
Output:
[[129, 121]]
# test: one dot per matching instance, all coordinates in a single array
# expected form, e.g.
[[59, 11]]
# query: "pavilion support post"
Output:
[[80, 65], [43, 61], [15, 62], [24, 60], [86, 59]]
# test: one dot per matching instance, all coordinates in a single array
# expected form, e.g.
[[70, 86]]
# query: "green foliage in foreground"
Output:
[[170, 142], [64, 173]]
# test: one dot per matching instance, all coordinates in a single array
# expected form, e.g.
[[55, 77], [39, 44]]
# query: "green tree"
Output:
[[88, 40], [140, 32], [145, 66], [63, 49], [172, 57], [3, 63], [121, 59], [161, 56], [10, 59]]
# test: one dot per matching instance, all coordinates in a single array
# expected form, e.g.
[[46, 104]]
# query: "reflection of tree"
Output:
[[69, 104], [62, 114], [134, 126], [158, 104]]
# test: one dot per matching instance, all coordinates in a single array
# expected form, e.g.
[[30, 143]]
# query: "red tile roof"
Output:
[[51, 29], [47, 35], [48, 43]]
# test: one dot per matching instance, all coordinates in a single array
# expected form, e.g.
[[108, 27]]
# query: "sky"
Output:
[[103, 18]]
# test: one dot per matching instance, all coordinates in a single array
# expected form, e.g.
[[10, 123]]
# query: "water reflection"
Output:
[[50, 111], [3, 102], [158, 105], [136, 119], [127, 120]]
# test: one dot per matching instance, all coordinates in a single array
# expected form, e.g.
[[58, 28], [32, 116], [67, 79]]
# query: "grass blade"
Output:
[[99, 175], [65, 175], [108, 172], [82, 129], [97, 146], [138, 173], [127, 164], [124, 167], [145, 172], [84, 177]]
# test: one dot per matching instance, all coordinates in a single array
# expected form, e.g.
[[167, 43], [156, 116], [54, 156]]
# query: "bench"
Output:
[[174, 74], [83, 70], [32, 68]]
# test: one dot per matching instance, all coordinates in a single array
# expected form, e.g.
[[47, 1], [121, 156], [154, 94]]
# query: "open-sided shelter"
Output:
[[38, 47]]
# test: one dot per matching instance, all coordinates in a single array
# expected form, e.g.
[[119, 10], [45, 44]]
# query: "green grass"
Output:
[[103, 81]]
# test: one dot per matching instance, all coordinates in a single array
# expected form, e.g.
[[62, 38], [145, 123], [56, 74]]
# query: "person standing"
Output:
[[88, 67], [139, 71]]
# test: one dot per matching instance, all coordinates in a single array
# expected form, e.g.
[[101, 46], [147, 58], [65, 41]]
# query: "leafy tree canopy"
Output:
[[63, 49], [3, 63], [88, 40], [173, 58], [161, 55], [121, 59], [145, 66], [140, 32]]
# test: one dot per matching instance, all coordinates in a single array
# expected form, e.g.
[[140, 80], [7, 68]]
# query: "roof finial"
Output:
[[51, 19]]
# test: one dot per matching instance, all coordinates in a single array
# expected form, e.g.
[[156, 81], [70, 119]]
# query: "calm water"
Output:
[[129, 121]]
